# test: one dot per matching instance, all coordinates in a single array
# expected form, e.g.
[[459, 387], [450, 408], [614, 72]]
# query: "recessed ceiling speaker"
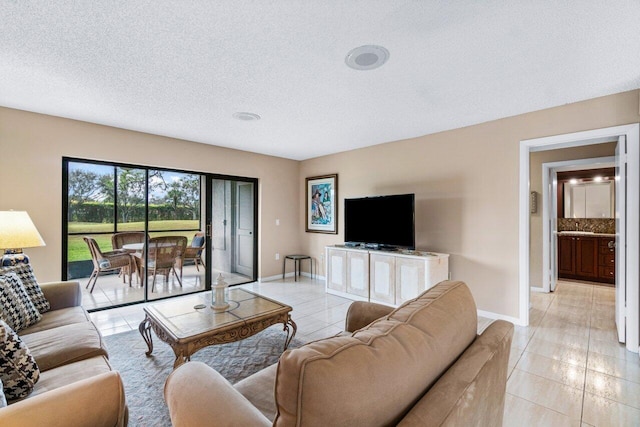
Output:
[[367, 57], [247, 117]]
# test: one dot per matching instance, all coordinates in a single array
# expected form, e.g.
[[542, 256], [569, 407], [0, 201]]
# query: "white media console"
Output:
[[382, 276]]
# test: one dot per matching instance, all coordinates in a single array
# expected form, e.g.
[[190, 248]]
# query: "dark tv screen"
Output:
[[384, 220]]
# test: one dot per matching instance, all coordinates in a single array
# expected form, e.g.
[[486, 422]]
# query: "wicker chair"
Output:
[[106, 261], [162, 253], [193, 252], [118, 240]]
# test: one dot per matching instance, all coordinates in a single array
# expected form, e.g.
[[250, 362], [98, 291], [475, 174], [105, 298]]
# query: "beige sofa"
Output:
[[422, 364], [77, 386]]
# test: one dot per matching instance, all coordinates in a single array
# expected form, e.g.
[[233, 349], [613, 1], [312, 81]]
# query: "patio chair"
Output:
[[106, 261], [162, 253], [193, 252], [118, 240]]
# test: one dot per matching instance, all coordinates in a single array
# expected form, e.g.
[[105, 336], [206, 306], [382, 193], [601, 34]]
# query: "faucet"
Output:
[[577, 228]]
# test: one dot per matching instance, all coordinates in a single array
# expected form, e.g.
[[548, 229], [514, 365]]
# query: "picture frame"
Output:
[[321, 204]]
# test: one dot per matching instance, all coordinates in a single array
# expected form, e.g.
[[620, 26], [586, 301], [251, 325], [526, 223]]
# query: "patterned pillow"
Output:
[[15, 306], [25, 273], [18, 369]]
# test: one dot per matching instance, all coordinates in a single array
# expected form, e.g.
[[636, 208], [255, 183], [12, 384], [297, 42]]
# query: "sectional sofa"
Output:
[[77, 386], [422, 364]]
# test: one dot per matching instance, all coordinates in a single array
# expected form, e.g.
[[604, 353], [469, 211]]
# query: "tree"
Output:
[[184, 193], [84, 186], [190, 186], [131, 190]]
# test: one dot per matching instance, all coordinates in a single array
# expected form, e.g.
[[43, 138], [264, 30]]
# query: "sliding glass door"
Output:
[[117, 212], [175, 210]]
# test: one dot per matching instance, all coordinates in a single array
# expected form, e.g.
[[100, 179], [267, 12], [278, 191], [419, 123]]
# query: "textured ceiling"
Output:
[[182, 69]]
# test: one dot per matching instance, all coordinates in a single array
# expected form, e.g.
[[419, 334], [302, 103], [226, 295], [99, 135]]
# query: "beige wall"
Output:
[[535, 184], [466, 186], [32, 147], [465, 181]]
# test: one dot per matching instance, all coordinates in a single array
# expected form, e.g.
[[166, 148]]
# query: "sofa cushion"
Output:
[[65, 344], [56, 318], [67, 374], [258, 389], [28, 278], [388, 365], [18, 369], [16, 307]]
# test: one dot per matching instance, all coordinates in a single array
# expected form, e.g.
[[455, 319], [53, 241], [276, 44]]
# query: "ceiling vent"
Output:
[[367, 57], [247, 117]]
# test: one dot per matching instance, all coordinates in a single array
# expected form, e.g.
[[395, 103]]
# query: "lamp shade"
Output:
[[17, 231]]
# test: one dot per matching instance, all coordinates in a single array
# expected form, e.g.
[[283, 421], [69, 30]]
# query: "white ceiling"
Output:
[[183, 68]]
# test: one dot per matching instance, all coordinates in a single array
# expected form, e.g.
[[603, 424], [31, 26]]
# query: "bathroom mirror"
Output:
[[589, 200]]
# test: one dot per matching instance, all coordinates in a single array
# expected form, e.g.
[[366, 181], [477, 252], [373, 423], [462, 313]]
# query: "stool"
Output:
[[296, 265]]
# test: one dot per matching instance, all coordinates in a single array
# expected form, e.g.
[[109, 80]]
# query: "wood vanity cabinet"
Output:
[[607, 260], [566, 256], [586, 257]]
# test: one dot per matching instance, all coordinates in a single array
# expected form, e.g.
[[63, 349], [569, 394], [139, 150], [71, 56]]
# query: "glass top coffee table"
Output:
[[190, 324]]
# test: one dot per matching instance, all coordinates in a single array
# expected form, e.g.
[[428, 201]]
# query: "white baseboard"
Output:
[[537, 289], [315, 276], [272, 278], [279, 277], [496, 316]]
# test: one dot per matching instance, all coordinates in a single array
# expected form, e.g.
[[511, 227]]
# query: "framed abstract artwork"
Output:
[[321, 204]]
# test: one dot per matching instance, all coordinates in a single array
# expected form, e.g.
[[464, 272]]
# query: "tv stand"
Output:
[[386, 276]]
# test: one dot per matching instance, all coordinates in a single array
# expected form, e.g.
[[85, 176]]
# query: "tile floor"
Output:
[[110, 289], [566, 368]]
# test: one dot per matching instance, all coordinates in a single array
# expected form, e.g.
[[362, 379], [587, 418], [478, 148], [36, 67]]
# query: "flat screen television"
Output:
[[383, 221]]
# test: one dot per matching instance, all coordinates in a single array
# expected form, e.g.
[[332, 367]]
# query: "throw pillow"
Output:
[[197, 241], [25, 273], [18, 369], [15, 306]]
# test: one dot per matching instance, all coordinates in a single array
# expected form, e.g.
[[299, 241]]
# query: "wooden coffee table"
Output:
[[187, 329]]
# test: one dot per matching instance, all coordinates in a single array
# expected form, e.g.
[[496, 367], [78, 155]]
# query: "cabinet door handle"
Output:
[[613, 260]]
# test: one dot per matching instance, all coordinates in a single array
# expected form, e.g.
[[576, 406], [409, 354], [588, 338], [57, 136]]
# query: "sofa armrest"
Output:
[[361, 313], [62, 294], [195, 392], [97, 401]]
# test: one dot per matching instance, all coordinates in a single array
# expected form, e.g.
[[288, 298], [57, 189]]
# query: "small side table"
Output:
[[296, 265]]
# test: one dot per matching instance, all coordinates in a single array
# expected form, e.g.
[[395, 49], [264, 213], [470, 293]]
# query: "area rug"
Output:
[[144, 376]]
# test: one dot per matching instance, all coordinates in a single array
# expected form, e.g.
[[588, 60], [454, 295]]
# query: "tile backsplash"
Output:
[[597, 225]]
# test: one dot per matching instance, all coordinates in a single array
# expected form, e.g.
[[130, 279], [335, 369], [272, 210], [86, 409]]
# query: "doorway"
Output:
[[629, 158], [233, 229], [553, 209]]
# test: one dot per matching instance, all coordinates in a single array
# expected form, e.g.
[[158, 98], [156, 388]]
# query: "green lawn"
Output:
[[78, 250]]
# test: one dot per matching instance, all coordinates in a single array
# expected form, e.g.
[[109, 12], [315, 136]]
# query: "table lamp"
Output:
[[16, 232]]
